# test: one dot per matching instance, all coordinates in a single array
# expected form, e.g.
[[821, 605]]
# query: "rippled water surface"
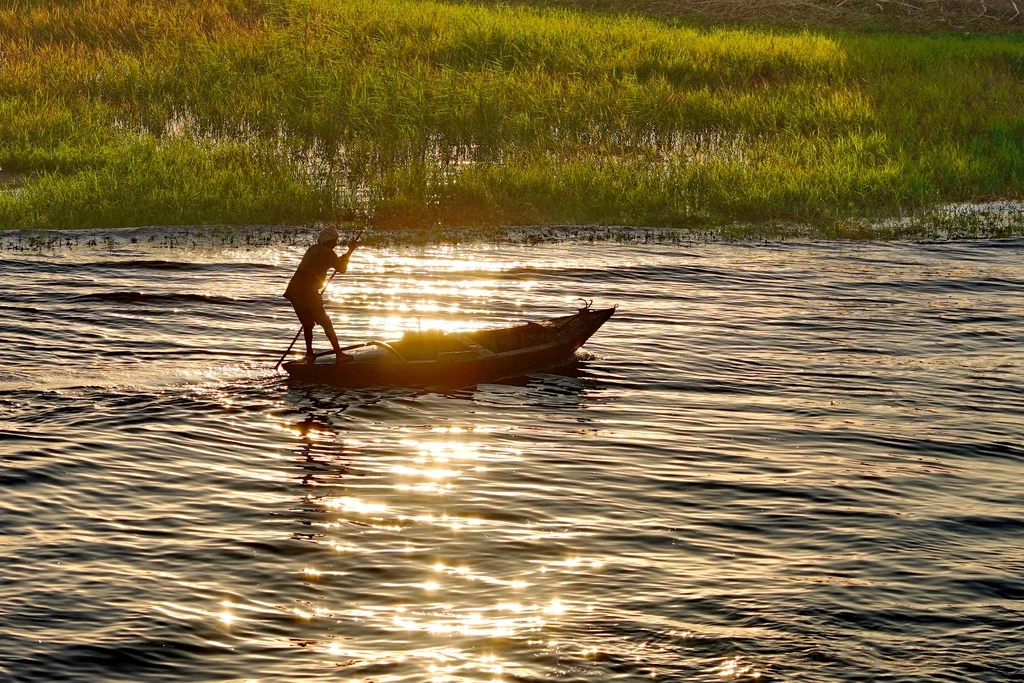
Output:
[[788, 462]]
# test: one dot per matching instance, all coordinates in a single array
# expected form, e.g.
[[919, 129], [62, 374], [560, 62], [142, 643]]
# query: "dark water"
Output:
[[791, 462]]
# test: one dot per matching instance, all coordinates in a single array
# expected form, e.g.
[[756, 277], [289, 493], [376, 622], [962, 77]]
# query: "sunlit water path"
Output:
[[788, 462]]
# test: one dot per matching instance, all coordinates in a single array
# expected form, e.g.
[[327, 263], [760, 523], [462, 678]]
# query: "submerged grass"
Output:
[[117, 113]]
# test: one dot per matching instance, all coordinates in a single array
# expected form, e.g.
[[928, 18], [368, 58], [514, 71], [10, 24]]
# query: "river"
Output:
[[775, 462]]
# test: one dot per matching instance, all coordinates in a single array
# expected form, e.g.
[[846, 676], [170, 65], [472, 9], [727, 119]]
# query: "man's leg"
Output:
[[307, 321], [325, 322], [307, 332]]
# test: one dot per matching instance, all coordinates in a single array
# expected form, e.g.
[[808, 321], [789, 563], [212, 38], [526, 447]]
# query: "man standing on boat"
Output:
[[304, 289]]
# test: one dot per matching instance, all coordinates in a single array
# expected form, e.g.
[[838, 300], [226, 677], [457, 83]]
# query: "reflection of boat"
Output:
[[436, 358]]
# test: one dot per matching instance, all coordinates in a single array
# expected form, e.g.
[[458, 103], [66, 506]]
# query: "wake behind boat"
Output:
[[436, 358]]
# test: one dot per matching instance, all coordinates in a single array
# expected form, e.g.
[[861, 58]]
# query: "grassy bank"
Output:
[[904, 16], [116, 113]]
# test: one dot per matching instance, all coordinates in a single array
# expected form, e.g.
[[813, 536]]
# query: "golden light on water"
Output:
[[356, 505], [496, 533], [734, 667], [426, 292], [430, 474], [454, 597], [448, 590]]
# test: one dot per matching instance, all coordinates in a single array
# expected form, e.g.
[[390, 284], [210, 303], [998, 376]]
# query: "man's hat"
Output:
[[328, 234]]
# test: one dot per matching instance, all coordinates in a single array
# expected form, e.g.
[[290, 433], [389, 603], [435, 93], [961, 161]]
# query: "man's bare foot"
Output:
[[310, 357], [341, 357]]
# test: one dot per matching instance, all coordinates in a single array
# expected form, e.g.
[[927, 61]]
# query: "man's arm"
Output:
[[341, 265]]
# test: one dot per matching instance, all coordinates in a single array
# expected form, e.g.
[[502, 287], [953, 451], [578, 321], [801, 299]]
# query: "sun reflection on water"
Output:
[[504, 532], [412, 558], [402, 568]]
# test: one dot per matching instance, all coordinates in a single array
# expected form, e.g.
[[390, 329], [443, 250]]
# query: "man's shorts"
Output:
[[310, 312]]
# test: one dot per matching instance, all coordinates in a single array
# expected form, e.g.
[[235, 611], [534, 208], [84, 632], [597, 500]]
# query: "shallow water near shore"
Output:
[[776, 462]]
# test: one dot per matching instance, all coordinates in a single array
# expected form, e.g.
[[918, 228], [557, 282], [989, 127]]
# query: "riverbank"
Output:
[[952, 223], [924, 17], [421, 114]]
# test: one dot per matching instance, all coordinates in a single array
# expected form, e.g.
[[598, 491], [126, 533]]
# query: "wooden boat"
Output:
[[454, 359]]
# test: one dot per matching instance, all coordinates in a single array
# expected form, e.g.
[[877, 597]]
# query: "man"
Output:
[[304, 289]]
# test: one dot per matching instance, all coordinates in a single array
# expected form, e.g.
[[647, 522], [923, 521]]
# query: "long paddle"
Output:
[[326, 285]]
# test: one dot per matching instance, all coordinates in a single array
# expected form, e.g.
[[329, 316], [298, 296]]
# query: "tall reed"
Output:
[[419, 113]]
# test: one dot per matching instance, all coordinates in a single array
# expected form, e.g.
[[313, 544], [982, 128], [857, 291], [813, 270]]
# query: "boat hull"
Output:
[[383, 368]]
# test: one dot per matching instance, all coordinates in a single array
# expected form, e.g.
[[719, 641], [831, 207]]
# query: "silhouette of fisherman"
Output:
[[304, 289]]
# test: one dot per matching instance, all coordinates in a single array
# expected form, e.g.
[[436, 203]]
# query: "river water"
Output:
[[776, 462]]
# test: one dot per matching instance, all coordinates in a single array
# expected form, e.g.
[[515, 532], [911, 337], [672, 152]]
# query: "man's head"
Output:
[[328, 236]]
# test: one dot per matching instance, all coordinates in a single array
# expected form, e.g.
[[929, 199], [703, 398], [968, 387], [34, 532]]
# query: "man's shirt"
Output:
[[305, 285]]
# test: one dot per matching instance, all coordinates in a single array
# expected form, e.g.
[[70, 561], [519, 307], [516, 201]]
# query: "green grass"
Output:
[[915, 16], [117, 113]]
